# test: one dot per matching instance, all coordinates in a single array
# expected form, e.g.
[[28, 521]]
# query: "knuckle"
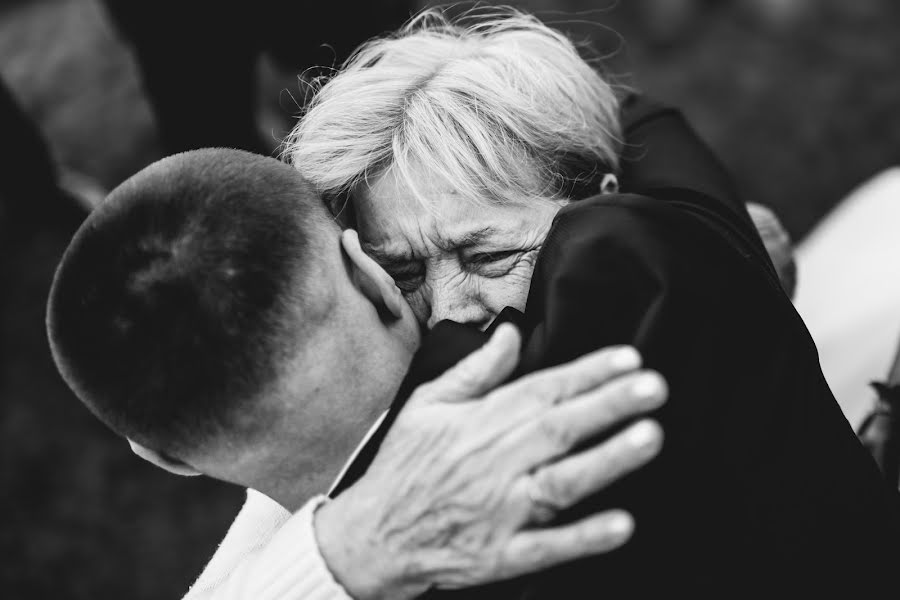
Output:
[[554, 491], [561, 438], [502, 564], [584, 538], [614, 403], [545, 387], [467, 374], [425, 392], [534, 554]]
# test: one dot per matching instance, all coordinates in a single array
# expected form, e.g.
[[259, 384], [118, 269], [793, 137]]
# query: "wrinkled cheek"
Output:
[[420, 306], [512, 291]]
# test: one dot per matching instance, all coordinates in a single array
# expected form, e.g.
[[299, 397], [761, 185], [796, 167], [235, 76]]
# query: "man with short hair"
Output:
[[213, 313]]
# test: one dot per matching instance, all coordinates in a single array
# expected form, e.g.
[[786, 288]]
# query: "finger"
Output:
[[571, 480], [592, 413], [554, 432], [537, 549], [482, 370], [555, 385]]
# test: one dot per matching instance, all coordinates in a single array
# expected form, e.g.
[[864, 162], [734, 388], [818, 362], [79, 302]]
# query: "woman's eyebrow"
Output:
[[470, 238], [388, 259]]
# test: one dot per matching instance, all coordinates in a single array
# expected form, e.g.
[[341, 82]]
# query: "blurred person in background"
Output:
[[198, 59], [31, 196], [669, 22], [37, 215]]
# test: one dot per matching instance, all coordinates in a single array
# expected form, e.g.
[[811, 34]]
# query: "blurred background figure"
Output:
[[848, 290], [31, 196], [779, 13], [666, 22], [849, 297], [198, 60], [798, 97]]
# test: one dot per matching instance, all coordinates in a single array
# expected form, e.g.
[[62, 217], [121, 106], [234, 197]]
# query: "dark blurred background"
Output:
[[799, 97]]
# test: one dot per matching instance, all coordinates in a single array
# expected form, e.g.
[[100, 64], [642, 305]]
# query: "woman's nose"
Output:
[[456, 303]]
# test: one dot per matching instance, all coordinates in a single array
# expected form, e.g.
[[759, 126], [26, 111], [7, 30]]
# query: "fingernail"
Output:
[[646, 386], [620, 524], [626, 358], [642, 434]]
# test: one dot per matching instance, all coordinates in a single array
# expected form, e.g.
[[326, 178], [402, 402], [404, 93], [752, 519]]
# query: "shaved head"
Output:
[[182, 297]]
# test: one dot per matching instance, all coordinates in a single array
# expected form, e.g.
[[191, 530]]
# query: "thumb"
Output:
[[482, 370]]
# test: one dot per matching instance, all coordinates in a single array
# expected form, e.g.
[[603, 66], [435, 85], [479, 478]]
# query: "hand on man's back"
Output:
[[468, 473]]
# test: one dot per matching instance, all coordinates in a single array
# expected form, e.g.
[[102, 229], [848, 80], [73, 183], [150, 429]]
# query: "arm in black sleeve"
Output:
[[662, 151], [760, 478]]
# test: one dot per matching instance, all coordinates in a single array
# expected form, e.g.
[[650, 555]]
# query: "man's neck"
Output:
[[293, 495], [446, 344], [442, 348], [292, 487]]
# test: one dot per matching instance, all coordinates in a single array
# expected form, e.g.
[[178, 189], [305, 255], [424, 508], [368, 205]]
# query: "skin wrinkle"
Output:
[[438, 512], [452, 260], [445, 536], [441, 536]]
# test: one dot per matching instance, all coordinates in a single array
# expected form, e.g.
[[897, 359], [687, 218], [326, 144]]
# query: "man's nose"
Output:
[[456, 303]]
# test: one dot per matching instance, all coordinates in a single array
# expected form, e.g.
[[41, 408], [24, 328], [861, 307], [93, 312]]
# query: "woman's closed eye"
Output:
[[499, 263], [408, 278]]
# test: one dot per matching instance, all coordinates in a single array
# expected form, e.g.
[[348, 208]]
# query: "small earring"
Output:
[[609, 184]]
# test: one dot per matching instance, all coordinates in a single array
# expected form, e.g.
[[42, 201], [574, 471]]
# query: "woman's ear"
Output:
[[609, 184], [372, 280], [162, 461]]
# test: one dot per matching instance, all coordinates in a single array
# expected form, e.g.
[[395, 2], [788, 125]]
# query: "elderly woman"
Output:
[[479, 161], [457, 146], [465, 154]]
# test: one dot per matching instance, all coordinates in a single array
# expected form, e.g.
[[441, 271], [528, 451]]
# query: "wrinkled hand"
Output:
[[462, 482]]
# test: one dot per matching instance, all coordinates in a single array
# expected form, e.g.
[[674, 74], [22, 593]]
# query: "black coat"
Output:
[[762, 487]]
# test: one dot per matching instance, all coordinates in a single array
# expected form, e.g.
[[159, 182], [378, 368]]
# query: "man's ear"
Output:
[[163, 462], [372, 280]]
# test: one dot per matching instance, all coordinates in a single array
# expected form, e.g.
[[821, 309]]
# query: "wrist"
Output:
[[354, 557]]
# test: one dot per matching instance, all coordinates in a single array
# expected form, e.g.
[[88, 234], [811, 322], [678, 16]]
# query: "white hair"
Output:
[[499, 105]]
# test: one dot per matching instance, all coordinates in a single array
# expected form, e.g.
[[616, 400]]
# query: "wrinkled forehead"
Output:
[[393, 218], [419, 191]]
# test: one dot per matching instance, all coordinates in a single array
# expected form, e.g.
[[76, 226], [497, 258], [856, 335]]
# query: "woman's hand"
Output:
[[465, 477]]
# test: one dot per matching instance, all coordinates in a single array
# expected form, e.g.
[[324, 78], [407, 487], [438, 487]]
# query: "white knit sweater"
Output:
[[268, 554]]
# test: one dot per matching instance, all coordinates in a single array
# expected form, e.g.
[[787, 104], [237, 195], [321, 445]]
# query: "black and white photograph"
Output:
[[398, 299]]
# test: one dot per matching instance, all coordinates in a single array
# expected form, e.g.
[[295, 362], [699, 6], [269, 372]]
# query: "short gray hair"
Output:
[[498, 104]]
